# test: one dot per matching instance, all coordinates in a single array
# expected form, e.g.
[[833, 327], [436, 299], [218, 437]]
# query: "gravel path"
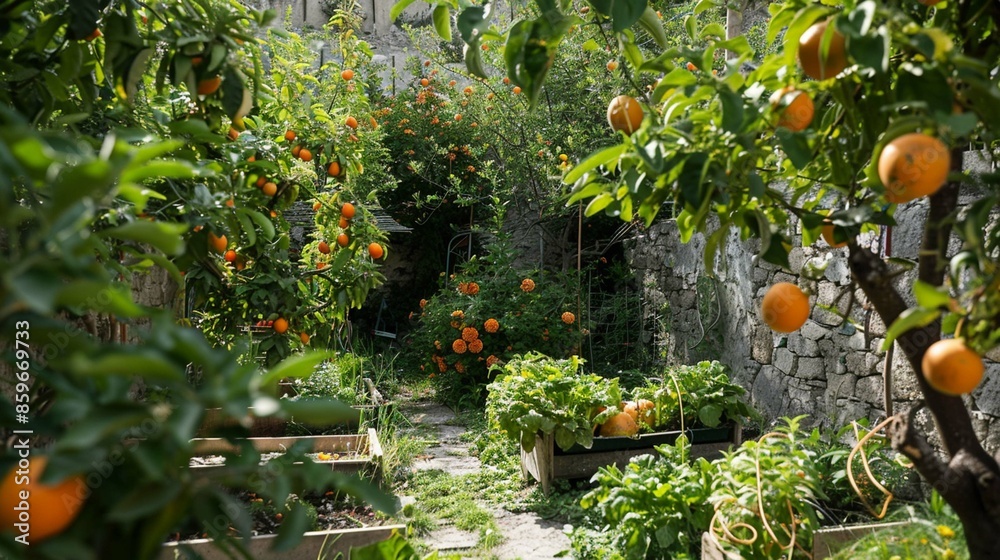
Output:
[[526, 535]]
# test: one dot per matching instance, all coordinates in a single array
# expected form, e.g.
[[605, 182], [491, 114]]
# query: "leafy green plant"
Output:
[[703, 392], [658, 506], [535, 394]]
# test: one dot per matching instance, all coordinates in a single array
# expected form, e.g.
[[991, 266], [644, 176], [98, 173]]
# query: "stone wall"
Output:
[[830, 369]]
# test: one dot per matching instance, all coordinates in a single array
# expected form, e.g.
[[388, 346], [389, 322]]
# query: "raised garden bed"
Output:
[[358, 453], [547, 461], [271, 426]]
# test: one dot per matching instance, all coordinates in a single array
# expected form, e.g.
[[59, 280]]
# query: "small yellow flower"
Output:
[[945, 531], [324, 456]]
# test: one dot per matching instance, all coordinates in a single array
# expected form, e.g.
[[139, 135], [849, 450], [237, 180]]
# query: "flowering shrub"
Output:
[[486, 313]]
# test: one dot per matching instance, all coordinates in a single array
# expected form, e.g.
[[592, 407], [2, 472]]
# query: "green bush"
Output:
[[487, 313]]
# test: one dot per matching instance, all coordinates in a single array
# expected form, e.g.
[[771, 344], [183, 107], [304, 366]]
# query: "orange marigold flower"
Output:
[[491, 325], [472, 289], [442, 366], [459, 346], [458, 313], [423, 303], [469, 334], [476, 346], [527, 285], [463, 287], [492, 360], [568, 318], [459, 367], [456, 324]]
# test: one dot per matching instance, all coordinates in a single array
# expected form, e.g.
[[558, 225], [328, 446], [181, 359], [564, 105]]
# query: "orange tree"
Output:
[[113, 164], [877, 72], [308, 140]]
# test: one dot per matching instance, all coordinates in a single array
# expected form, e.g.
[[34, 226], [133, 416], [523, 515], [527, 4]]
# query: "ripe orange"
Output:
[[630, 408], [813, 62], [612, 65], [230, 203], [53, 507], [233, 134], [290, 135], [316, 206], [827, 233], [351, 122], [343, 223], [347, 75], [376, 251], [625, 114], [794, 108], [305, 155], [269, 189], [304, 337], [951, 367], [320, 265], [219, 243], [323, 247], [93, 35], [208, 86], [784, 307], [647, 412], [334, 169], [516, 90], [347, 210], [343, 240], [458, 117], [373, 122], [506, 80], [912, 166], [425, 82], [619, 425], [296, 150], [230, 256], [261, 181], [280, 325]]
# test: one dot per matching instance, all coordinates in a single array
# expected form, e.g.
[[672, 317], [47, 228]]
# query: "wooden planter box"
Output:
[[827, 541], [367, 446], [314, 544], [547, 462], [271, 426]]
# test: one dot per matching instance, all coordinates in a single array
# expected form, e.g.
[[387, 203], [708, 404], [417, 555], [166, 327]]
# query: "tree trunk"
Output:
[[967, 477]]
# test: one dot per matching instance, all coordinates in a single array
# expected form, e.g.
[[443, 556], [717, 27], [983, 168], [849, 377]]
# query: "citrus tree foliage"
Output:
[[306, 108], [113, 164], [710, 146]]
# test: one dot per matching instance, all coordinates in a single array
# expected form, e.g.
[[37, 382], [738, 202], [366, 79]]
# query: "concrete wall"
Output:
[[830, 369]]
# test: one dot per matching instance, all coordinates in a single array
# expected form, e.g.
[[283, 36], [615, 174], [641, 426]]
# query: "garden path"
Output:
[[526, 535]]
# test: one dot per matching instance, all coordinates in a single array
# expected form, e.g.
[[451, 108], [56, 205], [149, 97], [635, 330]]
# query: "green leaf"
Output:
[[319, 411], [597, 159], [398, 8], [912, 318], [394, 548], [732, 110], [293, 525], [871, 50], [93, 295], [652, 24], [266, 226], [144, 499], [132, 362], [35, 287], [710, 415], [164, 236], [301, 365], [796, 147], [930, 296], [442, 21], [474, 21]]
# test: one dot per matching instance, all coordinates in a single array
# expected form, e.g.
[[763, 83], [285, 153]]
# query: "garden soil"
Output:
[[526, 535]]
